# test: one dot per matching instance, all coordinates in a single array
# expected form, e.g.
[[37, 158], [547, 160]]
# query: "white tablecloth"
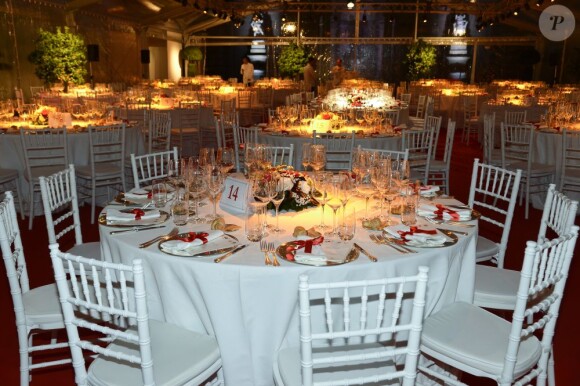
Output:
[[388, 143], [252, 308]]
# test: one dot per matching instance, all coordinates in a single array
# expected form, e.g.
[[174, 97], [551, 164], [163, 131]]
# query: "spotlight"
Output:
[[425, 19], [516, 11], [364, 18], [350, 5], [539, 3], [215, 12], [283, 18], [205, 10]]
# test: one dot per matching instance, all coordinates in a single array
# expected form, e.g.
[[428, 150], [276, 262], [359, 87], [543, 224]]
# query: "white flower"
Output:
[[304, 187], [287, 183]]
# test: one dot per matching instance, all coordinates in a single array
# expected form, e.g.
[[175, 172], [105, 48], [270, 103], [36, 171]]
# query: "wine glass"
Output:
[[277, 198], [347, 226], [225, 159], [333, 200], [214, 181], [206, 157], [345, 189], [173, 173], [322, 197], [306, 155], [366, 189], [317, 157], [261, 194]]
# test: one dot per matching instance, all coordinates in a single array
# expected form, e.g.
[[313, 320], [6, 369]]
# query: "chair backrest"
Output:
[[406, 98], [123, 297], [282, 155], [393, 116], [558, 215], [469, 107], [245, 99], [35, 90], [107, 146], [225, 124], [243, 135], [228, 106], [44, 150], [148, 167], [204, 96], [541, 288], [338, 148], [516, 144], [159, 138], [13, 255], [488, 137], [366, 308], [265, 96], [421, 106], [515, 117], [570, 175], [429, 106], [419, 144], [433, 123], [494, 193], [395, 155], [449, 142], [60, 201]]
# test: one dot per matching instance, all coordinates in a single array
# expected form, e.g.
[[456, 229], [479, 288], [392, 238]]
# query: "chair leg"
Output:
[[31, 206], [93, 200], [551, 370], [19, 194], [24, 342]]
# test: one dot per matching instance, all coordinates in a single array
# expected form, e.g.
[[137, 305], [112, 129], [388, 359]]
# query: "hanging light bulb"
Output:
[[350, 5]]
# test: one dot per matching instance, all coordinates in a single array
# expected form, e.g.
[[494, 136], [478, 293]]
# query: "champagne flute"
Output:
[[214, 181], [366, 189], [318, 157], [322, 197], [306, 155], [279, 196], [333, 201], [206, 158]]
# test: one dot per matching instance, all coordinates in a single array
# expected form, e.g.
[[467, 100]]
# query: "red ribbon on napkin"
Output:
[[443, 209], [413, 230], [138, 213], [307, 244], [195, 236]]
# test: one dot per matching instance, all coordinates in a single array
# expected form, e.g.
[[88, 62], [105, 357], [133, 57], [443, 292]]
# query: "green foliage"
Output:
[[191, 53], [292, 59], [60, 56], [420, 60]]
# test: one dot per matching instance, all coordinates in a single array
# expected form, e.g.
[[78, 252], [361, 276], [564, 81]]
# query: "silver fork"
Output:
[[272, 250], [391, 241], [376, 239], [264, 249], [453, 223]]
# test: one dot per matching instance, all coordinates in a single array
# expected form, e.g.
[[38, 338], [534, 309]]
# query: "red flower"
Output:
[[44, 112]]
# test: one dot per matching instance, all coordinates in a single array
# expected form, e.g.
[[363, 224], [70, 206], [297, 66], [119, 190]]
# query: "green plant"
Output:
[[420, 60], [292, 59], [191, 53], [60, 56]]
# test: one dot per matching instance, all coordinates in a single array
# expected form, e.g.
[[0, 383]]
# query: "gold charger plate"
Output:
[[163, 216], [412, 244], [283, 252]]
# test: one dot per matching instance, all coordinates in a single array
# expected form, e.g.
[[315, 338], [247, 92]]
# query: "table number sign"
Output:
[[56, 119], [235, 194]]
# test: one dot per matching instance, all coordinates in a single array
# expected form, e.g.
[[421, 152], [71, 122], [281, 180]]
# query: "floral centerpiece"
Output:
[[298, 187], [40, 115]]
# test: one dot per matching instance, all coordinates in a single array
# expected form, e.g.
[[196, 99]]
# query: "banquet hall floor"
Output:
[[40, 272]]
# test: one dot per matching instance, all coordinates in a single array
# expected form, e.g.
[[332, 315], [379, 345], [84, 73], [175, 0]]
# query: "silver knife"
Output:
[[370, 256], [215, 251], [453, 231], [136, 229], [238, 248]]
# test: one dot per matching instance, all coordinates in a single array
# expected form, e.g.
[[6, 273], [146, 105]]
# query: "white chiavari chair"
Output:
[[150, 352], [517, 152], [406, 98], [61, 211], [493, 192], [470, 118], [37, 309], [395, 155], [159, 138], [374, 308], [491, 154], [476, 341], [515, 117], [393, 116], [570, 175], [433, 123], [282, 155], [45, 153], [439, 170], [419, 144], [106, 166], [186, 134], [243, 136], [10, 180], [148, 167], [338, 148]]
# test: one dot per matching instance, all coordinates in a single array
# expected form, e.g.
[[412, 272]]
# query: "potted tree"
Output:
[[420, 60], [292, 59], [193, 56], [60, 56]]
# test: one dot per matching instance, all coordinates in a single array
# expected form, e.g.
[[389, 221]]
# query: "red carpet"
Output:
[[35, 245]]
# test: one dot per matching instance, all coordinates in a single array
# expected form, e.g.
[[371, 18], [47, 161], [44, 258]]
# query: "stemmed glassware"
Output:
[[332, 188], [261, 193], [317, 157], [306, 155], [206, 158], [347, 226], [225, 159], [345, 188], [277, 186], [322, 197], [214, 182]]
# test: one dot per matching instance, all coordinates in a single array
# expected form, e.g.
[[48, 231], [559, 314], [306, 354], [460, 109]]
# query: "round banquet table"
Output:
[[251, 308], [386, 143]]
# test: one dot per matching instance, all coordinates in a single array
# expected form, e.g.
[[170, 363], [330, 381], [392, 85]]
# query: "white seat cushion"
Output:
[[477, 338], [42, 307], [485, 249], [43, 171], [179, 355], [495, 287], [288, 365], [89, 250]]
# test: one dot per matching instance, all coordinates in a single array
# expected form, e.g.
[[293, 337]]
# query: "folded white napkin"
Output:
[[137, 194], [429, 210], [316, 257], [180, 245], [423, 239], [117, 215], [428, 190]]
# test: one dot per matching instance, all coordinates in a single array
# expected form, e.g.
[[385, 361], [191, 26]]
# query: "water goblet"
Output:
[[214, 181], [306, 155], [347, 226], [225, 159], [317, 157]]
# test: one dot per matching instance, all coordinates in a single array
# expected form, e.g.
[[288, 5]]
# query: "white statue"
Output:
[[460, 25]]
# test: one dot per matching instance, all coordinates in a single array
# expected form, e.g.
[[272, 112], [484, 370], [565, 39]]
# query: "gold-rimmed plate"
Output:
[[451, 240], [287, 252], [163, 216], [220, 245]]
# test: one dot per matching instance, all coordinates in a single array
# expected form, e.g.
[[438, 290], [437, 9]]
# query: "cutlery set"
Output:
[[267, 249], [380, 239]]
